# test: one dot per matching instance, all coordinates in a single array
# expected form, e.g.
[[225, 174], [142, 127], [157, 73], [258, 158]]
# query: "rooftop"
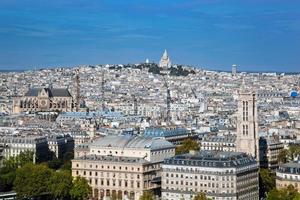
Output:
[[165, 131], [221, 139], [129, 141], [53, 92], [113, 159], [212, 159]]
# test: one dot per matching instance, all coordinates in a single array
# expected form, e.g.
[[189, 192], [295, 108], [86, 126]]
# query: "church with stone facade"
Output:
[[165, 61], [44, 99]]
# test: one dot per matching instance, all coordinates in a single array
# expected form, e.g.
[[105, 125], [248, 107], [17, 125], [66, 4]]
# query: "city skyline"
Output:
[[255, 35]]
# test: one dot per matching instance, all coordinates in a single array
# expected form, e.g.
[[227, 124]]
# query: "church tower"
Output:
[[165, 61], [247, 124]]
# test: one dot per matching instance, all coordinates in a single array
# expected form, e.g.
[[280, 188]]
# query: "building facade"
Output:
[[247, 124], [44, 99], [288, 174], [218, 143], [60, 144], [14, 145], [269, 149], [221, 175], [122, 167]]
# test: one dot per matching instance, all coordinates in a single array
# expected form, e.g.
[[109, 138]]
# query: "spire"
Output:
[[243, 86], [165, 55], [165, 60]]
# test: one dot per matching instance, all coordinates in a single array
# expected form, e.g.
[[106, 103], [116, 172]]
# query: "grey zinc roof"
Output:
[[60, 92], [165, 132], [212, 159], [128, 141], [113, 159], [220, 139], [53, 92]]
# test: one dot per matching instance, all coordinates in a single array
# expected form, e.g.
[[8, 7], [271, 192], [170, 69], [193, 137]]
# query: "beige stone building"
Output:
[[218, 143], [44, 99], [220, 175], [288, 174], [122, 167], [14, 145], [269, 149], [247, 124]]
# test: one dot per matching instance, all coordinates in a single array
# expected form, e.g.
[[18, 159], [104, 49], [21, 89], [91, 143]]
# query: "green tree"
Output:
[[288, 193], [201, 196], [147, 195], [32, 181], [6, 180], [294, 151], [266, 181], [81, 189], [187, 145], [61, 184], [283, 156], [54, 163], [25, 157], [10, 165]]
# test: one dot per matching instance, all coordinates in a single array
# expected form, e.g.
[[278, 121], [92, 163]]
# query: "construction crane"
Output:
[[102, 91], [168, 117], [77, 80]]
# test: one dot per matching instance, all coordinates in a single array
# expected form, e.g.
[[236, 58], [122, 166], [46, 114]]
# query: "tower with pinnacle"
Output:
[[247, 123], [165, 61]]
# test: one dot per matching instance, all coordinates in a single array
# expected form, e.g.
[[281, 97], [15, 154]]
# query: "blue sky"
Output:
[[254, 34]]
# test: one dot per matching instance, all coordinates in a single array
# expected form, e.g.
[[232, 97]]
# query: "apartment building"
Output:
[[221, 175]]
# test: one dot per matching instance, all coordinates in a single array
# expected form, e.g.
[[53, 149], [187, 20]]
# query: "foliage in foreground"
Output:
[[266, 181], [36, 181], [147, 195], [289, 193], [10, 165], [81, 189], [201, 196]]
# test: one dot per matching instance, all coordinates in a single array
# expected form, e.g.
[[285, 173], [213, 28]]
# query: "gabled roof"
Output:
[[53, 92]]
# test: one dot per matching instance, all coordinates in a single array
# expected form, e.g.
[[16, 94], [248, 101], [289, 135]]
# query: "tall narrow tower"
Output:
[[247, 124], [233, 70]]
